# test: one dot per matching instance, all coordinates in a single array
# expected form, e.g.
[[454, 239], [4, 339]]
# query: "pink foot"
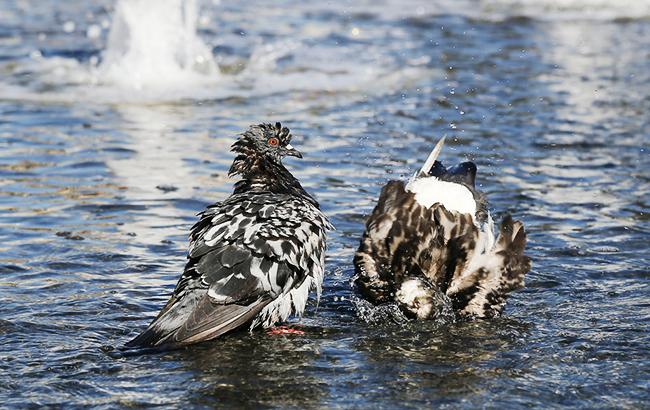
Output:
[[284, 330]]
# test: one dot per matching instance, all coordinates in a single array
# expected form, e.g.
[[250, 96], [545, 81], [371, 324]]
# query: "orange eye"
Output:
[[273, 142]]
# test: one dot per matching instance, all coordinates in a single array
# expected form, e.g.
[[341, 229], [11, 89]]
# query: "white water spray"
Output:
[[153, 44], [154, 54]]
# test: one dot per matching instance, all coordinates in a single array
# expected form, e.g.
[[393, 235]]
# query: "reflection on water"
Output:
[[161, 165], [98, 190]]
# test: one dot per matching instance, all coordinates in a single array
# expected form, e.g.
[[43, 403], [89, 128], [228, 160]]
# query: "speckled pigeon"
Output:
[[254, 257], [430, 243]]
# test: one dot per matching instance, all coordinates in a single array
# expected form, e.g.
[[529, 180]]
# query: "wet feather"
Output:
[[254, 257], [431, 242]]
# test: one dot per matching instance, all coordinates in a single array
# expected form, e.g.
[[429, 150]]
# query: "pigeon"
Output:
[[430, 244], [254, 257]]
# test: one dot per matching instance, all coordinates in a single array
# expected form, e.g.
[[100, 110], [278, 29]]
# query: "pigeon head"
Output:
[[463, 173], [260, 150], [272, 142]]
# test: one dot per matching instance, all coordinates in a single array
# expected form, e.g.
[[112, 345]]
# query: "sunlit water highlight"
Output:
[[102, 173]]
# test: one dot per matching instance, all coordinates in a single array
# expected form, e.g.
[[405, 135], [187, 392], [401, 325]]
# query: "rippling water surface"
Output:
[[104, 163]]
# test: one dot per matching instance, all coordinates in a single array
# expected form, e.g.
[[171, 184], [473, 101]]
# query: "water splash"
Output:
[[375, 315], [154, 48], [391, 313], [154, 44]]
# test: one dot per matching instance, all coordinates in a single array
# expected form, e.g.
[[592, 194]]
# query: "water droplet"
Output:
[[93, 31], [69, 26]]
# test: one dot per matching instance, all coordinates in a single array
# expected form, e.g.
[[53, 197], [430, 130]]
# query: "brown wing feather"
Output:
[[373, 278], [400, 240], [482, 290]]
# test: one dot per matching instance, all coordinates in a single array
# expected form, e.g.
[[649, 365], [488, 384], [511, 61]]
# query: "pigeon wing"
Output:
[[285, 235], [215, 294], [481, 289], [400, 240]]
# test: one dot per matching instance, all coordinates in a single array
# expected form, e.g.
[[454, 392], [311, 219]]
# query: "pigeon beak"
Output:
[[292, 152]]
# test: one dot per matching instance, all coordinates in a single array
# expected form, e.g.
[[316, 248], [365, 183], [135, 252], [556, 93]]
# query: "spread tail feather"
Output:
[[482, 289]]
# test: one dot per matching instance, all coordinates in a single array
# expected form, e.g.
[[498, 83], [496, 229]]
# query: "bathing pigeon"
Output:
[[254, 257], [430, 243]]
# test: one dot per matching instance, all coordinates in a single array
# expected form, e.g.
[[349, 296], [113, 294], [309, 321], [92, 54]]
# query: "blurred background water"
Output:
[[116, 120]]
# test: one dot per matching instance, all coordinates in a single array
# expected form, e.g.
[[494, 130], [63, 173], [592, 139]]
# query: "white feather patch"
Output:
[[299, 296], [415, 297], [454, 197]]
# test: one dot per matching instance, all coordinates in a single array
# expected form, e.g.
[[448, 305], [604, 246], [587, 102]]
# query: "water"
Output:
[[105, 161]]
